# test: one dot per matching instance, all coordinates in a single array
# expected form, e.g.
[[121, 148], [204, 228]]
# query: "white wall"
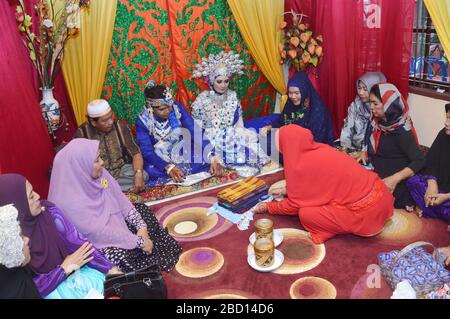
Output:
[[428, 116]]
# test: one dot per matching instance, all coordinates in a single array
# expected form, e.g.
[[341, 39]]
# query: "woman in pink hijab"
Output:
[[92, 200]]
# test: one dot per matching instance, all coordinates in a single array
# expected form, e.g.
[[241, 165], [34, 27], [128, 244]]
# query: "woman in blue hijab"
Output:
[[305, 108]]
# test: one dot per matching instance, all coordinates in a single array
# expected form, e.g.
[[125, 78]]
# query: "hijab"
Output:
[[396, 110], [96, 206], [317, 117], [317, 174], [15, 282], [46, 245], [438, 159], [370, 79]]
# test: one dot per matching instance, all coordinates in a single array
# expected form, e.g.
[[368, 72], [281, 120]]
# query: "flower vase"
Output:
[[50, 109]]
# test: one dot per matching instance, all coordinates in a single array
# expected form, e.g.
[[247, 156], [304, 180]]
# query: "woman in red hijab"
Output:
[[331, 193]]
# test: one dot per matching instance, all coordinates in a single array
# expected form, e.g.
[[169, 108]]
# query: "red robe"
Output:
[[330, 191]]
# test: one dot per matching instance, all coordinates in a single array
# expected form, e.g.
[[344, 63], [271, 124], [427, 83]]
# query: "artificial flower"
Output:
[[56, 27], [300, 48]]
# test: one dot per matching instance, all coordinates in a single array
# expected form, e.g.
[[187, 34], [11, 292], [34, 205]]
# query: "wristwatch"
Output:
[[137, 171]]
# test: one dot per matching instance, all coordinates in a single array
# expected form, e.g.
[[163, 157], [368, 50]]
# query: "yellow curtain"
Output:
[[86, 55], [258, 21], [440, 14]]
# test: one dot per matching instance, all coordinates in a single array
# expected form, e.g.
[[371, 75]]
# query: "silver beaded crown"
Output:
[[224, 63]]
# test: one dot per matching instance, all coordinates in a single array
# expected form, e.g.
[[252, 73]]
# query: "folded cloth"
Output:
[[243, 202], [240, 189], [246, 205], [243, 199], [242, 220]]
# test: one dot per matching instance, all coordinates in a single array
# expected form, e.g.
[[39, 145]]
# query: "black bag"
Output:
[[146, 283]]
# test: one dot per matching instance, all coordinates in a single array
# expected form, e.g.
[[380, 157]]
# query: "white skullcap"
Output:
[[98, 108], [11, 243]]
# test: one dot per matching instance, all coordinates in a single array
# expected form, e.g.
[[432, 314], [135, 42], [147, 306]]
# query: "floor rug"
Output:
[[214, 260]]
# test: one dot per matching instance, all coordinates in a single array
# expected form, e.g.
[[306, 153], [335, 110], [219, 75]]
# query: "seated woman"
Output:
[[158, 130], [357, 122], [330, 192], [431, 191], [219, 112], [57, 248], [92, 200], [15, 281], [392, 147], [305, 108]]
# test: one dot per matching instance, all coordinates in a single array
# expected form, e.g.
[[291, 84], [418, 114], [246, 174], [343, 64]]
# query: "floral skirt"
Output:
[[166, 249]]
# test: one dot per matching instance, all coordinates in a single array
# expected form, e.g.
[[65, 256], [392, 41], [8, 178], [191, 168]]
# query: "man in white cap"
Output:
[[122, 156]]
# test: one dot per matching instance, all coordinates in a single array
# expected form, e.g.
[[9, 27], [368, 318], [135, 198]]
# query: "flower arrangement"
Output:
[[300, 48], [56, 26]]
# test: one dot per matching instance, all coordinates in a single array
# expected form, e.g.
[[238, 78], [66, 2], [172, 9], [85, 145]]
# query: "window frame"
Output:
[[420, 84]]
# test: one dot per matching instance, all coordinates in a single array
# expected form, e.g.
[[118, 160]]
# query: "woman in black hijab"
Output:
[[431, 190], [15, 281]]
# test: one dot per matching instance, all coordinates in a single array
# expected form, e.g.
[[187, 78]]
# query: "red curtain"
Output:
[[25, 145], [359, 36]]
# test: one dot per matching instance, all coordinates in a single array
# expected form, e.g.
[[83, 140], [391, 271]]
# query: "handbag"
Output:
[[147, 283], [424, 271]]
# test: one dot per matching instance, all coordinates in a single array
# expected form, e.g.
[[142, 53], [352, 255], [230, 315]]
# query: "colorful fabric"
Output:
[[417, 266], [163, 40], [357, 122], [396, 110], [78, 284], [323, 184], [96, 207], [46, 246], [312, 113], [241, 189], [242, 199], [117, 147], [166, 191]]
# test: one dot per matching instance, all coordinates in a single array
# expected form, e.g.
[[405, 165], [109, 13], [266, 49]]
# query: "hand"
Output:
[[216, 167], [147, 246], [177, 175], [446, 252], [432, 190], [139, 182], [115, 271], [261, 209], [437, 199], [265, 130], [78, 259], [360, 157], [391, 182]]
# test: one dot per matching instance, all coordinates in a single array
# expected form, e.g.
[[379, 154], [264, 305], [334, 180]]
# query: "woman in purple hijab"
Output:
[[92, 200], [57, 249]]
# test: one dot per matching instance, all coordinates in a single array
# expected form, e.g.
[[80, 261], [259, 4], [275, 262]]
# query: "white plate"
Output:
[[277, 238], [279, 259]]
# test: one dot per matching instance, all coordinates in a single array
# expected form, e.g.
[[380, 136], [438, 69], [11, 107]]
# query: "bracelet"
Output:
[[170, 168], [137, 171]]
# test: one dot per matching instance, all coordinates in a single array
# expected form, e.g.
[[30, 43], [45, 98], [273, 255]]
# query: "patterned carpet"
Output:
[[214, 260]]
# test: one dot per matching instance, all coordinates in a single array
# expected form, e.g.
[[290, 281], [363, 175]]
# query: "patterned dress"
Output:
[[220, 115], [166, 249]]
